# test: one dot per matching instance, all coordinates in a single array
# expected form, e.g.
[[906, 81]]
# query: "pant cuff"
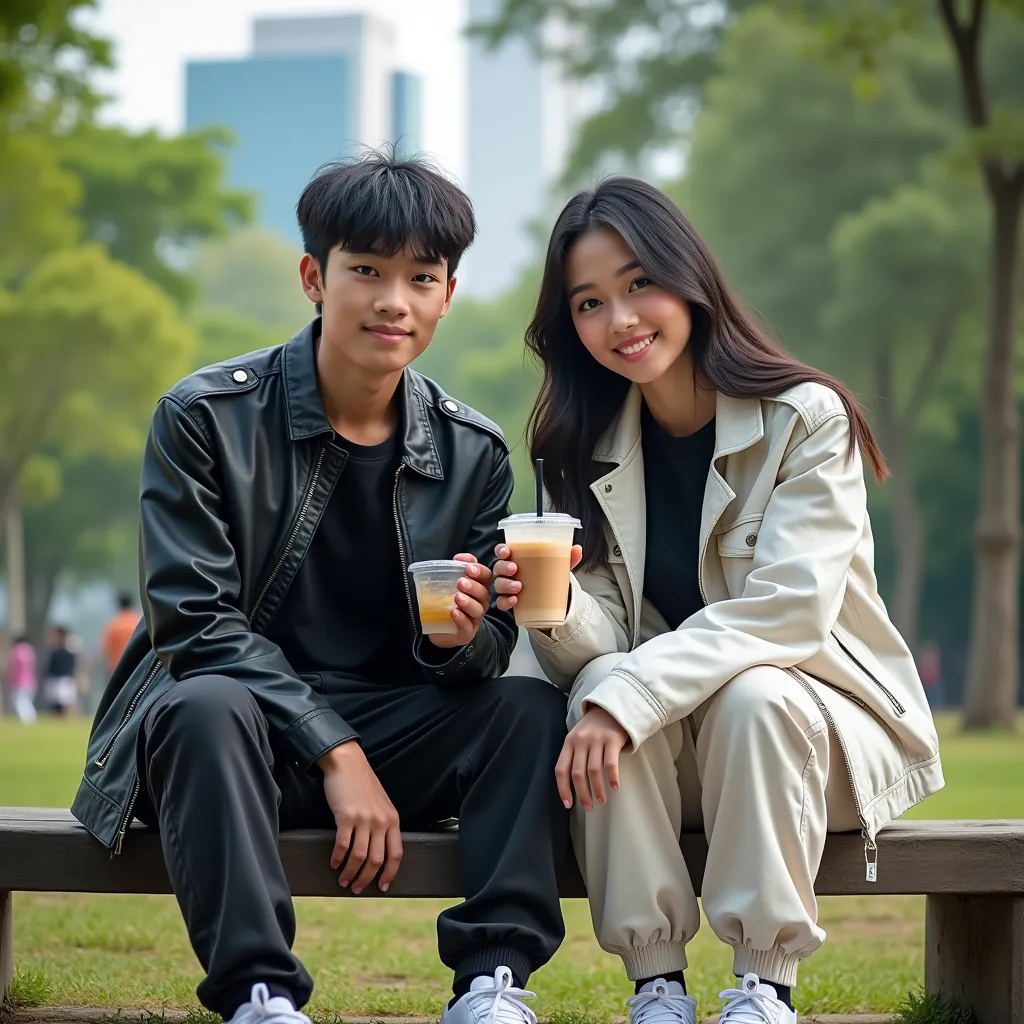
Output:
[[774, 966], [487, 959], [654, 960]]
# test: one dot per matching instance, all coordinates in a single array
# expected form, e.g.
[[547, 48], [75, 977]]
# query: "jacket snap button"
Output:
[[751, 539], [240, 375], [607, 488], [617, 551], [451, 406]]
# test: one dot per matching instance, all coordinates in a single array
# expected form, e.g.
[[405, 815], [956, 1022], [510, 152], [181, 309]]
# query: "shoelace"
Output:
[[748, 1007], [659, 1007], [506, 1006], [259, 1009]]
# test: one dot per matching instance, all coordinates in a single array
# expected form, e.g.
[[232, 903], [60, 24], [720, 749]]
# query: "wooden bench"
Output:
[[972, 873]]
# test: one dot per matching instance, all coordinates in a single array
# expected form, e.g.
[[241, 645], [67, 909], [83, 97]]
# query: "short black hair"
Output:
[[125, 600], [380, 202]]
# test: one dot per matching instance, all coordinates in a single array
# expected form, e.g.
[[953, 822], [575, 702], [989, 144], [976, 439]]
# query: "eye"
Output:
[[584, 306], [639, 282], [365, 271], [424, 278]]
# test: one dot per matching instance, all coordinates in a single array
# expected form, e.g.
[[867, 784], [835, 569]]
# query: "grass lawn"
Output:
[[375, 957]]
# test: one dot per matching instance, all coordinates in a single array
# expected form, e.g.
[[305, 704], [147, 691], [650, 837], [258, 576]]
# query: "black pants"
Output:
[[214, 788]]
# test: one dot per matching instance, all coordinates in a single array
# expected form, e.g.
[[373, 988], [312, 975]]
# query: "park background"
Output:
[[858, 169]]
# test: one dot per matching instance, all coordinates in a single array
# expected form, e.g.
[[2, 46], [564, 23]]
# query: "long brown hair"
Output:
[[579, 397]]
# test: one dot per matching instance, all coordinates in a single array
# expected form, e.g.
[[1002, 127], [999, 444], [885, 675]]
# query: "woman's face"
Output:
[[625, 321]]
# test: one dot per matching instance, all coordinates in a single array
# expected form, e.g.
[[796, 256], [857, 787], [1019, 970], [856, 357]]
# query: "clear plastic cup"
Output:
[[541, 547], [436, 585]]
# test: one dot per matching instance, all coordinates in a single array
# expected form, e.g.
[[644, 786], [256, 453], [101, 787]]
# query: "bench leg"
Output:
[[6, 944], [974, 952]]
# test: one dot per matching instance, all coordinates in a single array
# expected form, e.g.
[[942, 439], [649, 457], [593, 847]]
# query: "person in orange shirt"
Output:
[[119, 630]]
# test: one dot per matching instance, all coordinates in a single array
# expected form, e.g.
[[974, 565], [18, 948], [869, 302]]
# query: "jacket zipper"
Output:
[[127, 816], [401, 547], [897, 706], [870, 847]]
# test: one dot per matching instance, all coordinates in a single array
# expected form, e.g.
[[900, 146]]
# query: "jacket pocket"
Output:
[[845, 646], [739, 539]]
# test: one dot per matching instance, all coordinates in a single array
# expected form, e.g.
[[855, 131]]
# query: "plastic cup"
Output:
[[436, 585], [541, 547]]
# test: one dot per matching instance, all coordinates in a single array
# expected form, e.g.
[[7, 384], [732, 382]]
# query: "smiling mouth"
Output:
[[637, 346], [388, 333]]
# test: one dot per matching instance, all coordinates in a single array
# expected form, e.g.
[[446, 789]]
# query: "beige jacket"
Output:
[[787, 574]]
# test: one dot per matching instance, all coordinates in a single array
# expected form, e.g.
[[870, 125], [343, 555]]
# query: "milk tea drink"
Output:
[[541, 547]]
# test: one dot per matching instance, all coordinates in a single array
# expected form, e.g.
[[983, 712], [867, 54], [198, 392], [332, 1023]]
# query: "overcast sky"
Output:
[[154, 38]]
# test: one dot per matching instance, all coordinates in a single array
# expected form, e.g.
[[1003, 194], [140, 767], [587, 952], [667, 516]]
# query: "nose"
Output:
[[623, 318], [391, 300]]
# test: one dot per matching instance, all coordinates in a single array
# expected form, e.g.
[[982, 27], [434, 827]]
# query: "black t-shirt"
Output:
[[675, 474], [346, 609]]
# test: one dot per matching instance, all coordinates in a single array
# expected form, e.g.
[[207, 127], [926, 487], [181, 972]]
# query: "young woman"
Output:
[[731, 664]]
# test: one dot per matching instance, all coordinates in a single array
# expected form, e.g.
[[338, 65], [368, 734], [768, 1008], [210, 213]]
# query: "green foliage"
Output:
[[926, 1008], [149, 199]]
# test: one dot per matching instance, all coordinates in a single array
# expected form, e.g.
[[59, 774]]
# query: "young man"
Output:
[[280, 679]]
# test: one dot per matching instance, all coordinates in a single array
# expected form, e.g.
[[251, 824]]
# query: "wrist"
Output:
[[339, 757]]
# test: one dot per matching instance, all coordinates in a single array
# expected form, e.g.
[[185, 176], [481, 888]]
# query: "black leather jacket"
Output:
[[238, 469]]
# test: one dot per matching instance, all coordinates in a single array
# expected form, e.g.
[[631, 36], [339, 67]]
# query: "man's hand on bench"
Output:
[[368, 829]]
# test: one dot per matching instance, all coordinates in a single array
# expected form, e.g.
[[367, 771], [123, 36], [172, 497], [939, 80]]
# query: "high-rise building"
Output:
[[315, 89], [522, 116]]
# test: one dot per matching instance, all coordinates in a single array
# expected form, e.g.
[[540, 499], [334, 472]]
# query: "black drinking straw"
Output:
[[539, 469]]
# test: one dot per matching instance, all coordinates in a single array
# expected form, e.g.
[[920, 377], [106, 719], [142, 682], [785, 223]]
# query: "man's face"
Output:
[[380, 312]]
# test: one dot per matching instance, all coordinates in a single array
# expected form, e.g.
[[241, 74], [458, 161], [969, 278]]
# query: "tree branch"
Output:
[[941, 341], [965, 38]]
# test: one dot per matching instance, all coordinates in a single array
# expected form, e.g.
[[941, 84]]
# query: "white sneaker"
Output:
[[662, 1002], [264, 1010], [491, 1001], [754, 1002]]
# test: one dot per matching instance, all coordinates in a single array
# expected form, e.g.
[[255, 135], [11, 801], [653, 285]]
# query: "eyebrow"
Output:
[[618, 273]]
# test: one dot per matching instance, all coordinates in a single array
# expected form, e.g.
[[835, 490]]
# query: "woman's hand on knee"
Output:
[[589, 761]]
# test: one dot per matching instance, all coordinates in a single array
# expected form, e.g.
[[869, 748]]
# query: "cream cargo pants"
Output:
[[758, 768]]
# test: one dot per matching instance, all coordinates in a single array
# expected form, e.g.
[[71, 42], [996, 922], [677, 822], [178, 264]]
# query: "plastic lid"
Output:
[[438, 563], [548, 519]]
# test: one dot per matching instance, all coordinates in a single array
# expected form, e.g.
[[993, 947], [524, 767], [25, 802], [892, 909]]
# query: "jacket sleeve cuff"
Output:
[[631, 704], [316, 733], [449, 668], [581, 607]]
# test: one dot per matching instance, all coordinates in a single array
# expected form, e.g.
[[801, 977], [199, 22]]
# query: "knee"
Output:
[[530, 704], [756, 700], [202, 707], [587, 681]]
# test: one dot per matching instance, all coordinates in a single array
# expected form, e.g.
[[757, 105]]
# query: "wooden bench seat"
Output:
[[972, 873]]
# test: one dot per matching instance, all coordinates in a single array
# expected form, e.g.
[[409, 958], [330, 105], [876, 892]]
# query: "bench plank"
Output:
[[47, 850]]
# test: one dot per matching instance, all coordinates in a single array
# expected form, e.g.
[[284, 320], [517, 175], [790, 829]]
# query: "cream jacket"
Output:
[[787, 574]]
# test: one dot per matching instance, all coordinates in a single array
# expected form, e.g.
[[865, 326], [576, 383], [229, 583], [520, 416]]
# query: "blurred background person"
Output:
[[23, 679], [118, 631], [60, 687]]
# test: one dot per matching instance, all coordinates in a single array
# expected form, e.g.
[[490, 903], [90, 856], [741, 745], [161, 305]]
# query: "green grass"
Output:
[[378, 957]]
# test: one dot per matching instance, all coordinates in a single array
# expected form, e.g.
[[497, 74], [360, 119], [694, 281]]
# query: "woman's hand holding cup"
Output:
[[506, 586]]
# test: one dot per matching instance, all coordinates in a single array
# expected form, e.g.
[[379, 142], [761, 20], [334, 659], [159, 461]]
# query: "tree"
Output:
[[87, 346], [150, 200]]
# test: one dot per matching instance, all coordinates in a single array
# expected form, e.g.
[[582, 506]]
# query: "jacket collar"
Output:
[[306, 416], [739, 423]]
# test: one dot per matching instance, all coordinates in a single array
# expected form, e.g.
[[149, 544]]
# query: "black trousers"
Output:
[[218, 794]]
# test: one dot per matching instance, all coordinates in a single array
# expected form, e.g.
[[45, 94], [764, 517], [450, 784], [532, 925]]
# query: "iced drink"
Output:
[[541, 547], [436, 585]]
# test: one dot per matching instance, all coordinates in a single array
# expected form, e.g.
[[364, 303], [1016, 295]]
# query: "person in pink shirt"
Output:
[[23, 679]]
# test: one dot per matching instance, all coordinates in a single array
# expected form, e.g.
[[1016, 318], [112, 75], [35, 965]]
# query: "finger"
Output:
[[342, 841], [505, 568], [473, 609], [562, 768], [394, 853], [464, 556], [374, 860], [576, 556], [611, 764], [506, 604], [595, 772], [356, 855], [479, 592], [579, 776], [501, 551]]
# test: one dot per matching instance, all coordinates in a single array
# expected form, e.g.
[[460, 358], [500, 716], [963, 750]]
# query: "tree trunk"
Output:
[[42, 584], [908, 536], [993, 666]]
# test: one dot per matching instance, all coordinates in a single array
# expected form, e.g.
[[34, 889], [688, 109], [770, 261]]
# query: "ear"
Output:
[[448, 296], [312, 280]]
